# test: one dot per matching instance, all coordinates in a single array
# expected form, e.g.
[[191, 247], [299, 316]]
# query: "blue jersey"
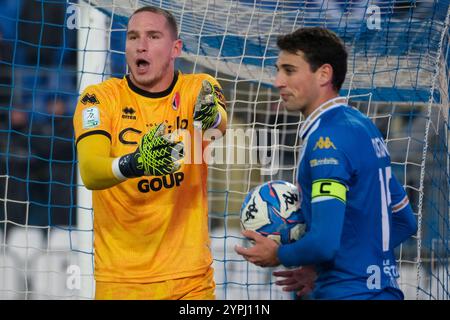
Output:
[[345, 161]]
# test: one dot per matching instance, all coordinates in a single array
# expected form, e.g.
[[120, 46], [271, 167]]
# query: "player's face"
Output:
[[151, 49], [298, 85]]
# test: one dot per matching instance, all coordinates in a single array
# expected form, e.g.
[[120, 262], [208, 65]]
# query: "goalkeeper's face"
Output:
[[299, 86], [151, 49]]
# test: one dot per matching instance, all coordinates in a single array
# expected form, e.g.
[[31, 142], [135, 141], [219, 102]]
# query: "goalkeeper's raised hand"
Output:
[[206, 109], [156, 155]]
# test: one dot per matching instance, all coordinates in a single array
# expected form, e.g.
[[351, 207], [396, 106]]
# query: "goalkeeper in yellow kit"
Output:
[[150, 206]]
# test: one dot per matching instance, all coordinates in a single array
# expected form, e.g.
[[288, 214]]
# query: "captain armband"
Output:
[[326, 189]]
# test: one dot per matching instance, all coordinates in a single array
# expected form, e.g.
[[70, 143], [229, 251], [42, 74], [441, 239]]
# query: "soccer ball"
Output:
[[273, 210]]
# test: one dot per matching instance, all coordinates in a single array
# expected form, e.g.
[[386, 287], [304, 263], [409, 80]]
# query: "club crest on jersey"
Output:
[[176, 101], [324, 144]]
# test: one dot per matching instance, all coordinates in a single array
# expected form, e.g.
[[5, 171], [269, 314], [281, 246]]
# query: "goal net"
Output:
[[398, 75]]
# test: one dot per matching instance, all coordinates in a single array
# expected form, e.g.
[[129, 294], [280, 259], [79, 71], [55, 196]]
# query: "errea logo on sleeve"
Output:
[[89, 98], [91, 118]]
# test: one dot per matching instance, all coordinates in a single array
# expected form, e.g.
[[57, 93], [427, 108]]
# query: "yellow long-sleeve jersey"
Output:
[[146, 229]]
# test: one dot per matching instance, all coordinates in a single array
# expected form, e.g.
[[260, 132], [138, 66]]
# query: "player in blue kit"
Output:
[[356, 211]]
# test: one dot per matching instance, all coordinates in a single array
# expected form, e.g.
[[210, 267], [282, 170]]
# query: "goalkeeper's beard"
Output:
[[150, 81]]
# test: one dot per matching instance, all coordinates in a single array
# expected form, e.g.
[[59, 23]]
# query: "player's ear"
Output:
[[325, 74], [177, 47]]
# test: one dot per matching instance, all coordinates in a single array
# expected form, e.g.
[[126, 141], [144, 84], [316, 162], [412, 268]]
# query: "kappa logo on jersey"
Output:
[[89, 98], [128, 113], [176, 101], [324, 144]]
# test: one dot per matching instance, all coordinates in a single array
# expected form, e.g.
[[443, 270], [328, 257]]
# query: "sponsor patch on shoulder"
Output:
[[324, 161], [91, 118]]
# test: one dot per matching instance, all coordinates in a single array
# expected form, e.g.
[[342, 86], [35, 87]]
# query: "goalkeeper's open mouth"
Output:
[[142, 66], [284, 96]]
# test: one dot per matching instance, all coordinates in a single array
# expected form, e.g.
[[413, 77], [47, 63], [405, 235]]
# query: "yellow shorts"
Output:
[[200, 287]]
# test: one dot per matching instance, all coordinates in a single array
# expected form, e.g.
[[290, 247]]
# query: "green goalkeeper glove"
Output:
[[156, 155], [206, 111]]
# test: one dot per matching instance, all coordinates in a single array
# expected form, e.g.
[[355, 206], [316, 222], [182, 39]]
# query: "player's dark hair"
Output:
[[171, 21], [319, 46]]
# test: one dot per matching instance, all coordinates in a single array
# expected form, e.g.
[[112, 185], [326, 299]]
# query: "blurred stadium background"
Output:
[[51, 49]]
